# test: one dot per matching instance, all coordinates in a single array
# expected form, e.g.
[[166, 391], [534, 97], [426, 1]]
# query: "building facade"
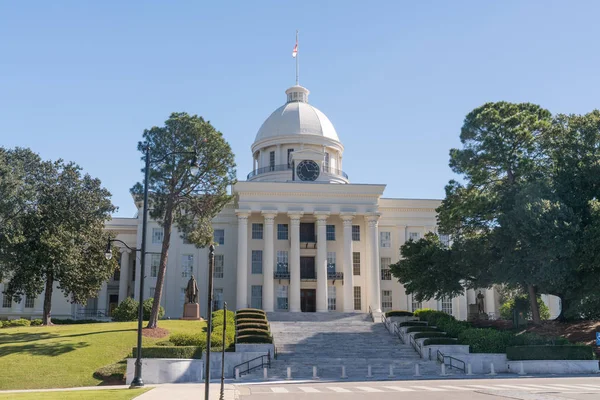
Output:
[[298, 237]]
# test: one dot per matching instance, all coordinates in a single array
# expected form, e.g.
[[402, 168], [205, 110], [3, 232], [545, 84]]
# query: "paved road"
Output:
[[454, 389]]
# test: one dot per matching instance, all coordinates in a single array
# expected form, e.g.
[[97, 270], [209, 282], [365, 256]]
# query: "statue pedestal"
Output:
[[191, 311]]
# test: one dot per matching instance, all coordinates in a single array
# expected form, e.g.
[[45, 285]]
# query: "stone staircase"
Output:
[[330, 340]]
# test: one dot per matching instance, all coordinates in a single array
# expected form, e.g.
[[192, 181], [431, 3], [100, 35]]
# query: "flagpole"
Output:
[[297, 68]]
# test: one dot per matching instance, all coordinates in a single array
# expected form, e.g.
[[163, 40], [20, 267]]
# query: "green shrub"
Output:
[[217, 318], [422, 329], [251, 315], [216, 338], [453, 327], [574, 352], [169, 352], [433, 317], [253, 310], [521, 304], [264, 326], [413, 323], [16, 322], [398, 313], [189, 339], [532, 339], [254, 339], [439, 340], [253, 332], [486, 340], [36, 322], [148, 309], [127, 310], [167, 343], [251, 321], [1, 324], [422, 335], [112, 371]]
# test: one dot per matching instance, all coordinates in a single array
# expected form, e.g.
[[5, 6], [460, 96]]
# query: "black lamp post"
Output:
[[137, 379], [222, 397], [211, 263]]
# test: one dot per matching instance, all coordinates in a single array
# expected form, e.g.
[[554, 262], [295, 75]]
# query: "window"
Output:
[[219, 236], [117, 273], [445, 239], [356, 262], [447, 305], [356, 233], [29, 302], [272, 161], [187, 265], [257, 231], [386, 300], [219, 266], [385, 239], [326, 163], [330, 232], [257, 261], [386, 273], [256, 300], [282, 261], [282, 231], [357, 298], [157, 235], [331, 302], [154, 264], [416, 305], [414, 236], [289, 158], [6, 301], [330, 261], [282, 297], [217, 299]]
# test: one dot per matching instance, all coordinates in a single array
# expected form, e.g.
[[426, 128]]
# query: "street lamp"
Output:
[[194, 169]]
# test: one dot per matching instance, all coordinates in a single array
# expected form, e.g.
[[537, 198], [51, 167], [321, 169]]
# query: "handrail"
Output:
[[416, 346], [385, 323], [441, 357], [250, 368], [288, 167], [398, 333]]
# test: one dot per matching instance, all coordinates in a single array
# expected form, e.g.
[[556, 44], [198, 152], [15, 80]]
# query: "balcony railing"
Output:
[[285, 167], [331, 275]]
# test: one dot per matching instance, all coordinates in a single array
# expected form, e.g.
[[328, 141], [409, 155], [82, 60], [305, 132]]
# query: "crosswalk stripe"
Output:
[[572, 387], [591, 386], [430, 389], [368, 389], [486, 387], [399, 389], [308, 389], [518, 387], [279, 390], [339, 389], [455, 387], [541, 387]]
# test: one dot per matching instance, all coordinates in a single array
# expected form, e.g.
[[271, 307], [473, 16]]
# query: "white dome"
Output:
[[297, 117]]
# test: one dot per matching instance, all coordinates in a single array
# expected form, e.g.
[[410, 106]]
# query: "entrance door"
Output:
[[113, 302], [307, 268], [308, 300]]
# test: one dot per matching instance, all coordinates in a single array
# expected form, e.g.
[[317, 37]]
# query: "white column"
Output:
[[242, 260], [321, 261], [347, 259], [374, 273], [124, 280], [102, 298], [268, 262], [294, 261]]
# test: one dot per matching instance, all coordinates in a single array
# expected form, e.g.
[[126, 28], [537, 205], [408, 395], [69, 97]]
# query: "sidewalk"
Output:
[[187, 391]]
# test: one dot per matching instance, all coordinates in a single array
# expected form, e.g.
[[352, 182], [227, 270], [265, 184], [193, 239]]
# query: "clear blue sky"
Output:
[[81, 80]]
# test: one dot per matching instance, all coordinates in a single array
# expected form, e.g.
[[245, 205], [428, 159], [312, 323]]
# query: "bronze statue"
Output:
[[480, 304], [191, 292]]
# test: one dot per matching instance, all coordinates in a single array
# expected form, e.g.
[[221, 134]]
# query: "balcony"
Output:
[[288, 167]]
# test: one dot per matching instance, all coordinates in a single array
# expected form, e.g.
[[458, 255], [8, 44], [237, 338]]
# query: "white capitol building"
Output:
[[298, 237]]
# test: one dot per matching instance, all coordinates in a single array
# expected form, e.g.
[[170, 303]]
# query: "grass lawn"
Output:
[[67, 355], [113, 394]]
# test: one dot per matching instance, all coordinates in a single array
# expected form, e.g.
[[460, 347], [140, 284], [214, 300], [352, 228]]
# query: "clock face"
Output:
[[307, 170]]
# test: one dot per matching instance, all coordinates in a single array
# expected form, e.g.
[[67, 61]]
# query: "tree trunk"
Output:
[[47, 317], [535, 310], [160, 278]]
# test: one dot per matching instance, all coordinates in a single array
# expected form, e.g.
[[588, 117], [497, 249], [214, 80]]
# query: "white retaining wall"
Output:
[[167, 370]]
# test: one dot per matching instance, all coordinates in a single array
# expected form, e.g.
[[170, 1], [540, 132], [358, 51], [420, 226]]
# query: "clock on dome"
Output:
[[307, 170]]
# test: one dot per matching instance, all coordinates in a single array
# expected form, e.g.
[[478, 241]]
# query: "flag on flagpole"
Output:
[[295, 51]]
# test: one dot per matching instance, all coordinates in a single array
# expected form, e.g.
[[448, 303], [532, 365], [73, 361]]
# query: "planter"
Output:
[[402, 319], [167, 370], [554, 366]]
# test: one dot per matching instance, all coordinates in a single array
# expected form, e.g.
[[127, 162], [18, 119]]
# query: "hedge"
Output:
[[169, 352], [398, 313], [422, 335], [413, 323], [188, 339], [422, 329], [254, 310], [36, 322], [254, 339], [253, 332], [264, 327], [440, 340], [250, 315], [16, 322], [69, 321], [216, 338], [251, 321], [574, 352], [217, 318]]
